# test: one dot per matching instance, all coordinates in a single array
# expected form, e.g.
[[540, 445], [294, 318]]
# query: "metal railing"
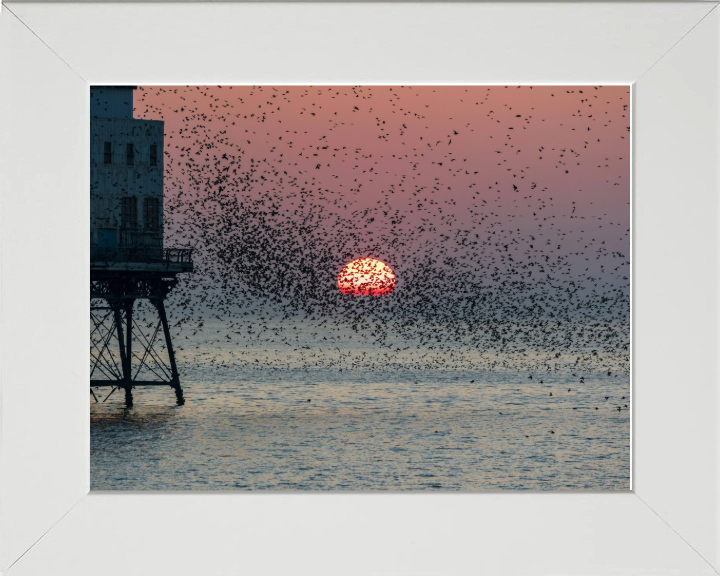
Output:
[[142, 254], [178, 255]]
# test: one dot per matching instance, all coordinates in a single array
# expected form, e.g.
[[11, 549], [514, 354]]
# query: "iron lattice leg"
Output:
[[128, 353], [175, 382], [120, 294], [125, 350], [128, 396]]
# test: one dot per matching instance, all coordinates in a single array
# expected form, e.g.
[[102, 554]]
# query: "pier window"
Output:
[[129, 154], [108, 153], [128, 212], [152, 213], [153, 154]]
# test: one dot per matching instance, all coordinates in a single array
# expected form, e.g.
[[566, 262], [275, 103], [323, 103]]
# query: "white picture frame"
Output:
[[668, 524]]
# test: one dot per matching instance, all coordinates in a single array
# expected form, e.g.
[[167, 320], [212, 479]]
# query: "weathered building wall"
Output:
[[118, 179]]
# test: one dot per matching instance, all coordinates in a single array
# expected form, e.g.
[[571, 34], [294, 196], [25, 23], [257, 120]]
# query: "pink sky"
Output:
[[546, 162]]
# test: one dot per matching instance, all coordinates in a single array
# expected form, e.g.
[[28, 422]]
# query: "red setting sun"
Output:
[[366, 277]]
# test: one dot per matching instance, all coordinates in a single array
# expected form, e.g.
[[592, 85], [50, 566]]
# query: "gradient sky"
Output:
[[544, 164]]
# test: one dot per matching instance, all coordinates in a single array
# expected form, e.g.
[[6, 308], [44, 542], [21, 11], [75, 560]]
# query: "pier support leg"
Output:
[[120, 295], [175, 382], [124, 357], [128, 353]]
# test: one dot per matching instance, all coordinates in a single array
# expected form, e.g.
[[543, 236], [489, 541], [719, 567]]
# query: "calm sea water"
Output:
[[258, 426]]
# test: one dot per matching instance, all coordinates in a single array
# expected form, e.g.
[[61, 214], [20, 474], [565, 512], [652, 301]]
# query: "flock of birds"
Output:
[[503, 212]]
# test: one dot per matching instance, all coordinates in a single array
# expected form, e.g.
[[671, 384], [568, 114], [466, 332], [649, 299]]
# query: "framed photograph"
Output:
[[115, 99], [408, 288]]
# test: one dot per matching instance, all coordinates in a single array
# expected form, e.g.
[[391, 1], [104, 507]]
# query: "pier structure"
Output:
[[128, 260]]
